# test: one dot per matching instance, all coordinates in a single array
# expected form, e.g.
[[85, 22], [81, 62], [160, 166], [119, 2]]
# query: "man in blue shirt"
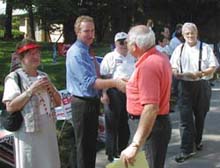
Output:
[[83, 84]]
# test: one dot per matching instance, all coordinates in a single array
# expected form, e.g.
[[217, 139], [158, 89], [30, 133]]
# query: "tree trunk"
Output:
[[68, 31], [31, 18], [8, 21]]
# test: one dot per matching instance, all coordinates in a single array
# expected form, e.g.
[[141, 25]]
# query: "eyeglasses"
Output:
[[122, 42]]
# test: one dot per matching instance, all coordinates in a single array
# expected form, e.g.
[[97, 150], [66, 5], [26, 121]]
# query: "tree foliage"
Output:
[[118, 15]]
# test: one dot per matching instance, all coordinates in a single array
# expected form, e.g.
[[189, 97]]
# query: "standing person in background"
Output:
[[83, 84], [193, 63], [162, 44], [15, 62], [177, 39], [148, 95], [116, 64], [35, 142], [166, 32]]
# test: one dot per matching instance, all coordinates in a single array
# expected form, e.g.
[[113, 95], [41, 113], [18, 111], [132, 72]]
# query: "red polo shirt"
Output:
[[150, 83]]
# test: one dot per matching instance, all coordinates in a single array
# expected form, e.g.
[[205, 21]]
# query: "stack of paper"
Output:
[[140, 162]]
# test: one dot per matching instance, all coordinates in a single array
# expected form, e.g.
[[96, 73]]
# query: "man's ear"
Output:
[[134, 47]]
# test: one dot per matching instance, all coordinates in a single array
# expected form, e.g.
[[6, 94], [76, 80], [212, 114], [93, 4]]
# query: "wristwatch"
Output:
[[28, 93]]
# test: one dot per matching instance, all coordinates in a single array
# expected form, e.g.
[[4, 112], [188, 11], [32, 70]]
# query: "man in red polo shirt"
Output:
[[148, 95]]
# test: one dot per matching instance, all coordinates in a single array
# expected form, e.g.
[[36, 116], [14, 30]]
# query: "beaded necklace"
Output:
[[39, 94]]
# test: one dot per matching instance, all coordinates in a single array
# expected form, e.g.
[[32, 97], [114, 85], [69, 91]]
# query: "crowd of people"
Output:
[[134, 82]]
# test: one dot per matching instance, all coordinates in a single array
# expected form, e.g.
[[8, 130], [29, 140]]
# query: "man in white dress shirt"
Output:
[[193, 63], [116, 64]]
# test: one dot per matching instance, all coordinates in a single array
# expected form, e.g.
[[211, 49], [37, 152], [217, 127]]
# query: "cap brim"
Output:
[[27, 47]]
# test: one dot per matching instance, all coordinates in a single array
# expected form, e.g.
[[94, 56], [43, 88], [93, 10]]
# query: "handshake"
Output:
[[121, 84]]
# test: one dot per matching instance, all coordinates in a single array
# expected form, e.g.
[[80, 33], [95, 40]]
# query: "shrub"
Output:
[[1, 33], [18, 35]]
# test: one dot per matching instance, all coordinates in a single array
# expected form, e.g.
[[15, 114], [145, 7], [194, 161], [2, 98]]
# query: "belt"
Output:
[[134, 117], [137, 117]]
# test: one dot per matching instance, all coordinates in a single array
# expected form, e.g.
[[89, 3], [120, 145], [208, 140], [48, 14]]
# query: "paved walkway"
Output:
[[209, 157]]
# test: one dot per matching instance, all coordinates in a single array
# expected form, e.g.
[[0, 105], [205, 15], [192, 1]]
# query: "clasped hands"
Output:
[[191, 75], [42, 84]]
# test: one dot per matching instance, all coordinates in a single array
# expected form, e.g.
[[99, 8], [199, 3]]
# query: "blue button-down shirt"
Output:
[[80, 71]]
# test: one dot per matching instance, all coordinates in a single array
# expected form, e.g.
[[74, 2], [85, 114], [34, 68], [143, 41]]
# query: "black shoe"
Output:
[[110, 158], [183, 156], [199, 146]]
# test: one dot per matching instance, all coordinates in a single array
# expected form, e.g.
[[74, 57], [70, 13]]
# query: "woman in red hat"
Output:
[[35, 141]]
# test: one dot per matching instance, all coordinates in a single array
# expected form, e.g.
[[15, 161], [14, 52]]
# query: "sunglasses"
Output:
[[122, 41]]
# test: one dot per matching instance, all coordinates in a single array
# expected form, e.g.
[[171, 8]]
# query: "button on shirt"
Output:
[[190, 59], [117, 66], [80, 71]]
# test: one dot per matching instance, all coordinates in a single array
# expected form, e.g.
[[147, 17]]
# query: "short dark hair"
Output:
[[159, 38]]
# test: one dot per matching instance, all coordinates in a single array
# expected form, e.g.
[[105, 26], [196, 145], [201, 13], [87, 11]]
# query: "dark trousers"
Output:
[[116, 119], [175, 83], [85, 120], [194, 104], [157, 143]]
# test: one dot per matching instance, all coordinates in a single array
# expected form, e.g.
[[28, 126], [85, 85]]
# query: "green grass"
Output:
[[6, 48], [56, 72]]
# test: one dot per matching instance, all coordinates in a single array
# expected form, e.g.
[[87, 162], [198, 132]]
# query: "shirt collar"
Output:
[[145, 56], [195, 46], [80, 44], [116, 53]]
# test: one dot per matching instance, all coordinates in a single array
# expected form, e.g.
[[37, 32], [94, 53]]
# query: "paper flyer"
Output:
[[140, 162], [64, 112]]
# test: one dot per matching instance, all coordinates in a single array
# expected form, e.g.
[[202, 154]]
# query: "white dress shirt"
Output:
[[190, 59], [117, 65]]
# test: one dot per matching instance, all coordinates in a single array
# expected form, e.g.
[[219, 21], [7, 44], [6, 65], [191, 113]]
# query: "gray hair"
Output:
[[142, 36], [190, 26]]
